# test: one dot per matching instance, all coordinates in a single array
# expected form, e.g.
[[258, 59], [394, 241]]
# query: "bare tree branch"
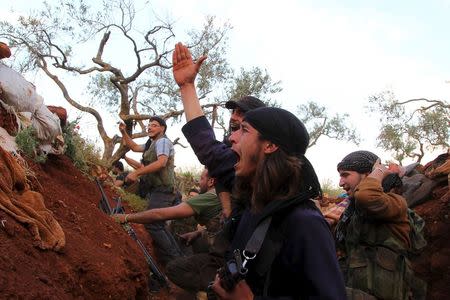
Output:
[[176, 142]]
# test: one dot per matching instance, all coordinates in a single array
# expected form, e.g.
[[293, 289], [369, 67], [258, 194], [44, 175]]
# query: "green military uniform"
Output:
[[373, 236]]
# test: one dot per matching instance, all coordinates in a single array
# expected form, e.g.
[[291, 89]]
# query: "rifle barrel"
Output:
[[104, 203], [106, 208]]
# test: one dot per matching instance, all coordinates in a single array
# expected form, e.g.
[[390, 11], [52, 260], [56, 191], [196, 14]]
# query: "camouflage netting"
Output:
[[27, 206]]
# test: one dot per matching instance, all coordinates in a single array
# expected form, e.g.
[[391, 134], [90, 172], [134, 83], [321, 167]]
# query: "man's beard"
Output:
[[243, 185]]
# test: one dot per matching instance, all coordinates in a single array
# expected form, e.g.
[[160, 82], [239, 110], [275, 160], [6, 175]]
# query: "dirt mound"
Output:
[[433, 264], [99, 260]]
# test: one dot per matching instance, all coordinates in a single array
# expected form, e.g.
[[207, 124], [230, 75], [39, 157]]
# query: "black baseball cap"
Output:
[[245, 103]]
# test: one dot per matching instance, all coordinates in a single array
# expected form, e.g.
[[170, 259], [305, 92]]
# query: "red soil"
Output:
[[7, 120], [433, 264], [99, 261]]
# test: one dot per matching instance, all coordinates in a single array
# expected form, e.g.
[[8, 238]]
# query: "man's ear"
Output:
[[269, 147]]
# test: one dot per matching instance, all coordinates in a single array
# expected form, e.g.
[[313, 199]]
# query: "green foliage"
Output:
[[215, 70], [103, 92], [27, 142], [409, 128], [255, 82], [134, 201], [329, 188], [82, 152], [319, 123]]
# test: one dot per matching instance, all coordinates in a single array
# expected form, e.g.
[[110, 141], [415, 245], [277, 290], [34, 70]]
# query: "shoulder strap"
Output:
[[256, 240]]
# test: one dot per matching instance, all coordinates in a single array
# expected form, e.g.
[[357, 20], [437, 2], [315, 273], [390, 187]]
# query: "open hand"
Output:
[[184, 68]]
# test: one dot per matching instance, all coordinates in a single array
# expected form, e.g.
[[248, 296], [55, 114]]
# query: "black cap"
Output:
[[285, 130], [245, 103], [280, 127]]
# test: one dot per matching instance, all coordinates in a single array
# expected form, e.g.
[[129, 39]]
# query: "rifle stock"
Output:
[[104, 205]]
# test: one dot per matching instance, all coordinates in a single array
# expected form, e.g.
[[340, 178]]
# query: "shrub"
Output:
[[27, 143], [135, 202], [82, 152]]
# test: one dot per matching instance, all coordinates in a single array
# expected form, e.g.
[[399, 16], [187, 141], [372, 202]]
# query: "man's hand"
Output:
[[189, 237], [120, 218], [132, 177], [379, 171], [332, 218], [240, 292], [184, 68]]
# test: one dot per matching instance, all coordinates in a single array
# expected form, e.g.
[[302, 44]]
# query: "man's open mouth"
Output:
[[238, 158]]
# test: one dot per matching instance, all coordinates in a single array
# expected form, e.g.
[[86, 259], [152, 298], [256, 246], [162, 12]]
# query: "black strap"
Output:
[[256, 240]]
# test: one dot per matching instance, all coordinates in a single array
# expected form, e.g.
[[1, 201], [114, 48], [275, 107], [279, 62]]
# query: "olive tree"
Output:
[[319, 123], [408, 128], [121, 58]]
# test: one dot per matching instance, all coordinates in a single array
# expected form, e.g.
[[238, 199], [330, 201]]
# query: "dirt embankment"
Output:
[[99, 261], [433, 264]]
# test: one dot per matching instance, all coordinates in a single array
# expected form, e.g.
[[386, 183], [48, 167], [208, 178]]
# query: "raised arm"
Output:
[[128, 141], [216, 156], [184, 71], [377, 204]]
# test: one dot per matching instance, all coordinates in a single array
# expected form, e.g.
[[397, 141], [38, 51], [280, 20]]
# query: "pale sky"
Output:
[[336, 53]]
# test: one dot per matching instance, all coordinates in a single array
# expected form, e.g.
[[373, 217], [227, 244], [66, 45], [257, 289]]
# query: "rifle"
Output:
[[158, 278]]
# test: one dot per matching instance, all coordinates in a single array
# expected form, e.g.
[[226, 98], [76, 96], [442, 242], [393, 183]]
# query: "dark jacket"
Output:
[[298, 253], [298, 242], [215, 155]]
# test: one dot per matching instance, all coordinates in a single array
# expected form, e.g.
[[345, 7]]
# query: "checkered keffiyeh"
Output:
[[359, 161]]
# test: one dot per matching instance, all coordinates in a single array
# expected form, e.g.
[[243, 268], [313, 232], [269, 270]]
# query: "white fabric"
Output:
[[46, 124], [21, 98], [19, 92]]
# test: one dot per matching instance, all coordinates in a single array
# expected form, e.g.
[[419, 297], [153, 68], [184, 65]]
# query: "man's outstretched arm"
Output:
[[179, 211]]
